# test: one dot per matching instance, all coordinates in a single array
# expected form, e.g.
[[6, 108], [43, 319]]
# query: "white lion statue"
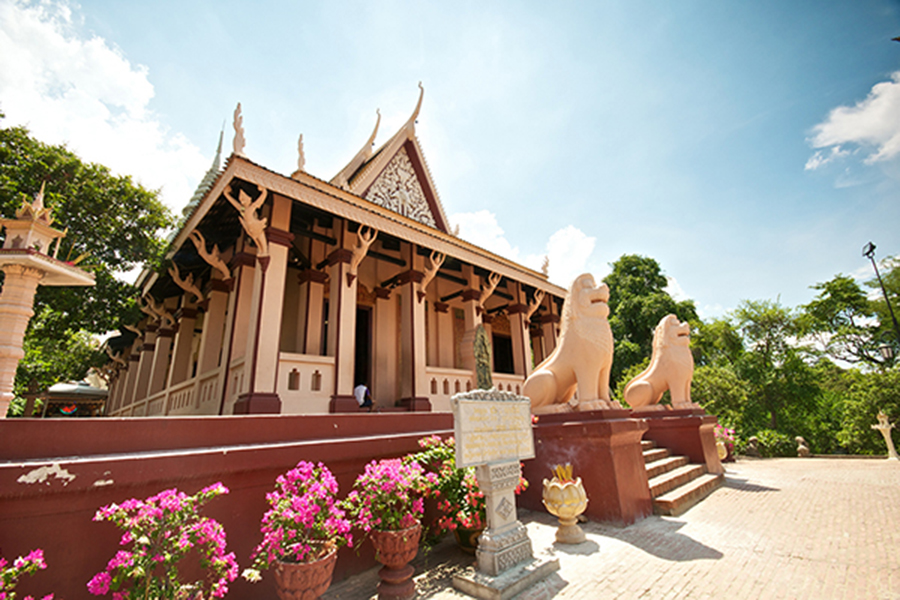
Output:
[[583, 356], [671, 367]]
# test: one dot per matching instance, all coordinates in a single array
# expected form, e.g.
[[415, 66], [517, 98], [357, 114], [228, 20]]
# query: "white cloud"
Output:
[[820, 158], [873, 123], [68, 88], [673, 288], [568, 248]]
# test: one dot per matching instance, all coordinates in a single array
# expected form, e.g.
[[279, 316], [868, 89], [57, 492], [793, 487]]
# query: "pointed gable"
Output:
[[396, 176]]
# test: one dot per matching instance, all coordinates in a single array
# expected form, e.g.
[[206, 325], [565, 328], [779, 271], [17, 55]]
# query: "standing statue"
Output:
[[483, 361], [583, 357], [671, 367], [885, 428]]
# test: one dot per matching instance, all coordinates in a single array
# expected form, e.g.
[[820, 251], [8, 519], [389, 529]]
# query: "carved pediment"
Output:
[[397, 188]]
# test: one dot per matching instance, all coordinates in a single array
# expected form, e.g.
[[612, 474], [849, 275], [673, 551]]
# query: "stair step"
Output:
[[647, 444], [684, 497], [655, 454], [678, 476], [664, 465]]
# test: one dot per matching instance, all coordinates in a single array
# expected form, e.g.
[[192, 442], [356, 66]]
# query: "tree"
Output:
[[781, 383], [868, 395], [115, 222], [842, 320], [637, 301], [716, 342]]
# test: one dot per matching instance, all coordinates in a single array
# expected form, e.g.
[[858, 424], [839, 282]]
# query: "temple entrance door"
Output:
[[362, 359]]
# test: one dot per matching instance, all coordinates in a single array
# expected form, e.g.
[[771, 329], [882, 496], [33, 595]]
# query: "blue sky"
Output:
[[752, 148]]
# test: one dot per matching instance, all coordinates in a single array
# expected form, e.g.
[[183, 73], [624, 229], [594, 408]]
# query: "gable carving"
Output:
[[398, 189]]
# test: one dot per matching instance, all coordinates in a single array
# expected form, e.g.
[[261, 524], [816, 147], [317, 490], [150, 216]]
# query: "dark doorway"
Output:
[[503, 354], [362, 356]]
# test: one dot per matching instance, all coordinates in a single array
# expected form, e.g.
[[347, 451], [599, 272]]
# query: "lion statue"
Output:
[[583, 356], [671, 367]]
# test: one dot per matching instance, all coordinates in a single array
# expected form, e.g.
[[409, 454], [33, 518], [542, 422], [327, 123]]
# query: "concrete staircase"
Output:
[[676, 485]]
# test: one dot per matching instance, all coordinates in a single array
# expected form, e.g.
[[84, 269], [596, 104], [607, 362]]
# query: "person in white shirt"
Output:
[[363, 397]]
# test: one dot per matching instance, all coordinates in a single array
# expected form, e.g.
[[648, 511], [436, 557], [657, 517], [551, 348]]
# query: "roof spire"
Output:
[[207, 182], [411, 123], [342, 179], [239, 141]]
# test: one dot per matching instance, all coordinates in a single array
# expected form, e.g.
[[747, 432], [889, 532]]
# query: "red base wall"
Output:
[[604, 448], [686, 433], [111, 460]]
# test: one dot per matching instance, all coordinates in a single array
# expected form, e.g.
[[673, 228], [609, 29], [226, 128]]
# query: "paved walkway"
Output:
[[780, 528]]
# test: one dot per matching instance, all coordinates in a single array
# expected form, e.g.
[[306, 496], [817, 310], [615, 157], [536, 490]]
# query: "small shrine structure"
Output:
[[27, 262]]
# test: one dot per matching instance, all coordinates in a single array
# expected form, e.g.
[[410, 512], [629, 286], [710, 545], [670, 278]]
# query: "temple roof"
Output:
[[396, 176]]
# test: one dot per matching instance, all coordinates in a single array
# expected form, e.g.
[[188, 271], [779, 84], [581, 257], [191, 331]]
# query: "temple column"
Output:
[[472, 319], [549, 325], [242, 267], [263, 340], [312, 292], [446, 347], [182, 360], [521, 340], [131, 377], [157, 381], [213, 326], [342, 325], [414, 390], [145, 364]]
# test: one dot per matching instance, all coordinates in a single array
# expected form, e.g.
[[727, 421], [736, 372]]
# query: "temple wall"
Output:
[[48, 502]]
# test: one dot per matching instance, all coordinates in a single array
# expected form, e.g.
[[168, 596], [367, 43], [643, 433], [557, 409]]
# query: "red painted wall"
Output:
[[111, 460]]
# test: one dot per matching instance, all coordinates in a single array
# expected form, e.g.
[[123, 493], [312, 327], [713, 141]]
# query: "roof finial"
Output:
[[218, 159], [412, 120], [371, 141], [301, 157], [238, 131]]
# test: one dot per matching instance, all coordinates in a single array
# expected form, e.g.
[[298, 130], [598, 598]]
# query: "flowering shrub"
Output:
[[459, 498], [727, 436], [160, 531], [387, 496], [23, 565], [304, 522]]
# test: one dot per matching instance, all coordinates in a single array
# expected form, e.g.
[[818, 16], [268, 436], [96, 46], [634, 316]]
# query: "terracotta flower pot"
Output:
[[395, 549], [304, 581]]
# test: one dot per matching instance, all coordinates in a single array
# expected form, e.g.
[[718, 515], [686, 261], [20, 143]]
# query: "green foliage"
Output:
[[840, 318], [716, 342], [115, 222], [720, 391], [629, 374], [637, 302], [774, 443], [868, 395]]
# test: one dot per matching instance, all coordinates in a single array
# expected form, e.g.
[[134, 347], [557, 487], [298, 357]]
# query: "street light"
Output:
[[869, 252]]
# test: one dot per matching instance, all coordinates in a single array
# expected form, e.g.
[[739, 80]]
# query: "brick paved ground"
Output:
[[780, 528]]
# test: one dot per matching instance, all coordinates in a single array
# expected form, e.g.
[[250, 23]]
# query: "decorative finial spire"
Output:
[[238, 131], [301, 157], [217, 161], [411, 123], [545, 266], [35, 209]]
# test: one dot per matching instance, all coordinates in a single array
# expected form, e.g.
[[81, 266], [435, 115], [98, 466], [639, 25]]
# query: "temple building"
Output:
[[280, 294]]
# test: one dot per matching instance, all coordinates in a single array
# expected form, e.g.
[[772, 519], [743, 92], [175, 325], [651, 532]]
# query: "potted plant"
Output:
[[386, 503], [22, 565], [302, 531], [459, 498], [725, 439], [159, 532]]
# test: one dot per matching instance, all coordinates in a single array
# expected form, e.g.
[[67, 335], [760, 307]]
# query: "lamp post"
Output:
[[869, 252]]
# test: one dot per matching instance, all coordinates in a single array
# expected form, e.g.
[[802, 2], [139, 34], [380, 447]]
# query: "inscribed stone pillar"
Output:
[[16, 309], [213, 326], [145, 364], [160, 366], [182, 359], [342, 326], [263, 340], [414, 389]]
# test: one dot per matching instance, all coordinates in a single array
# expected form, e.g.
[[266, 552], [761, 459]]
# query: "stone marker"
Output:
[[493, 433]]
